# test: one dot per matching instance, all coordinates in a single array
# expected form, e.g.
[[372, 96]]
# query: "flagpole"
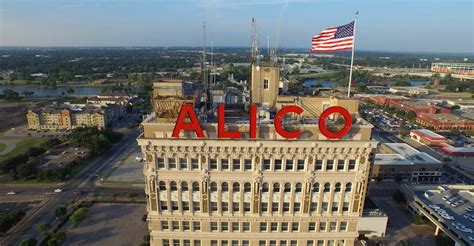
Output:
[[352, 59]]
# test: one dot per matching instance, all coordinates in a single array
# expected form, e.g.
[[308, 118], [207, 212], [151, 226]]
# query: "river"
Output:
[[58, 91]]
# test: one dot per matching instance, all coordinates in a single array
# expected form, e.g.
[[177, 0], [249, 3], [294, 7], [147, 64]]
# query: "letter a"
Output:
[[192, 125]]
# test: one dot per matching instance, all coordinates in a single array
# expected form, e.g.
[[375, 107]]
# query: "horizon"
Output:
[[287, 23]]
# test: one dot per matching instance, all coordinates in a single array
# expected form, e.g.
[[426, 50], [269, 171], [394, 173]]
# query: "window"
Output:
[[320, 243], [214, 206], [294, 226], [235, 206], [196, 225], [322, 226], [300, 165], [166, 242], [337, 188], [235, 243], [184, 186], [312, 226], [214, 243], [183, 163], [278, 165], [327, 187], [296, 207], [343, 226], [195, 186], [236, 187], [246, 226], [163, 205], [164, 225], [289, 165], [225, 187], [224, 226], [293, 243], [173, 186], [340, 164], [324, 206], [332, 226], [329, 165], [246, 206], [262, 243], [265, 84], [345, 206], [185, 206], [213, 187], [162, 185], [314, 206], [265, 187], [310, 243], [186, 226], [176, 242], [286, 206], [283, 243], [284, 226], [175, 225], [196, 206], [298, 187], [235, 226], [273, 243], [263, 226], [245, 243], [287, 187], [213, 164], [186, 242], [316, 187], [247, 187], [161, 162], [274, 226], [236, 164], [225, 206], [266, 164], [247, 164], [319, 165], [225, 164], [275, 207], [174, 205], [213, 226], [348, 187], [264, 207], [352, 164], [197, 242], [335, 207], [171, 163], [194, 164], [276, 187]]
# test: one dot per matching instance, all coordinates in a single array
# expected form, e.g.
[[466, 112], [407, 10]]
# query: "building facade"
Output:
[[256, 192]]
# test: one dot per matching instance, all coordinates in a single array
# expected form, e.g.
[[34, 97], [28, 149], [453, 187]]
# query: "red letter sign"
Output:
[[253, 121], [193, 125], [221, 133], [279, 117], [347, 124]]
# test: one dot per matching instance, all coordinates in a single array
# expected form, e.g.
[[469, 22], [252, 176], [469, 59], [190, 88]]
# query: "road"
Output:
[[84, 181]]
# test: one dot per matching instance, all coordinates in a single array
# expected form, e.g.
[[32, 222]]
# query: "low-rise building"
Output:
[[448, 207], [405, 162], [409, 90], [445, 122], [119, 99], [69, 116], [427, 137]]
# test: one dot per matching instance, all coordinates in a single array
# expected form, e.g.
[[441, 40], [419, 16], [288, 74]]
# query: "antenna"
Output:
[[204, 69], [254, 46]]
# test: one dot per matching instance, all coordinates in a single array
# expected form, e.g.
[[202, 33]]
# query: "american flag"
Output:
[[334, 39]]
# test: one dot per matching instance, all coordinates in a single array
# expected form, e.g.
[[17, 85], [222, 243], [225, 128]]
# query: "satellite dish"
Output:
[[258, 68]]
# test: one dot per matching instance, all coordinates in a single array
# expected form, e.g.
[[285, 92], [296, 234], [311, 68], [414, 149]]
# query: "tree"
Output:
[[11, 95], [78, 215], [42, 227], [60, 211], [57, 238], [28, 242]]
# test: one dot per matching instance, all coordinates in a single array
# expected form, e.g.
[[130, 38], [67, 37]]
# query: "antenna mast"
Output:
[[204, 69], [254, 49]]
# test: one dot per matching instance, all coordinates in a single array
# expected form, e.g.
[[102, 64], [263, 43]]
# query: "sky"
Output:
[[382, 25]]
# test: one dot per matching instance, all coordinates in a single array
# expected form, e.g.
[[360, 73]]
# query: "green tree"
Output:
[[11, 95], [78, 215], [57, 238], [42, 227], [418, 219], [28, 242], [60, 211]]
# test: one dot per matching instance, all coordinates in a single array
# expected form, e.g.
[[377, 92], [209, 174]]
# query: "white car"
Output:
[[469, 209], [138, 158], [58, 190], [11, 193]]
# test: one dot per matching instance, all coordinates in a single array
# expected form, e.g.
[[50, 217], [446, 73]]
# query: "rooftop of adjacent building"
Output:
[[403, 154], [57, 108], [446, 117], [428, 134]]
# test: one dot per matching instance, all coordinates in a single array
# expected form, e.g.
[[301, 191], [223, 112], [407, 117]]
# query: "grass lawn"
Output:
[[2, 147], [23, 145]]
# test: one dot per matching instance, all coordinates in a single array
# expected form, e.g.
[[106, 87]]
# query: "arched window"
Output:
[[213, 186], [184, 186], [265, 187], [225, 187], [287, 187], [276, 187], [348, 187], [162, 185], [247, 187], [236, 187], [298, 187], [173, 186], [316, 187], [337, 187], [327, 187], [195, 186]]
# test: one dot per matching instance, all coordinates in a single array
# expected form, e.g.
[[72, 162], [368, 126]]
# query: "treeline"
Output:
[[9, 219], [97, 141]]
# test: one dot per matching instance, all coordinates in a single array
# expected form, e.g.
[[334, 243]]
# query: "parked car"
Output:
[[11, 193], [58, 190]]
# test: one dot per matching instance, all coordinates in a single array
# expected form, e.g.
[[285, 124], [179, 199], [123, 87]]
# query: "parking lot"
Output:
[[128, 169], [109, 224]]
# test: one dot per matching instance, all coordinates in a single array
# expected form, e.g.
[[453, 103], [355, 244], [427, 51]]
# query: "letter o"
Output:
[[347, 124]]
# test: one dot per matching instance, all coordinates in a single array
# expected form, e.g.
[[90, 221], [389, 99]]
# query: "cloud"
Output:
[[73, 6]]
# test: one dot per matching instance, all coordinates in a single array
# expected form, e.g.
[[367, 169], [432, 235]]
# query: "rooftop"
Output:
[[428, 134], [403, 154], [446, 117]]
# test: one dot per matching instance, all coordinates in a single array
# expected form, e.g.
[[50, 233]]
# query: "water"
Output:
[[58, 91], [311, 83]]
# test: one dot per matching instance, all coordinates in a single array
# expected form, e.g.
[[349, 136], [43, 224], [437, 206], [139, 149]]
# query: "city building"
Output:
[[446, 207], [265, 84], [453, 68], [427, 137], [258, 191], [400, 160], [417, 106], [69, 116], [445, 122], [409, 90], [119, 99], [448, 148]]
